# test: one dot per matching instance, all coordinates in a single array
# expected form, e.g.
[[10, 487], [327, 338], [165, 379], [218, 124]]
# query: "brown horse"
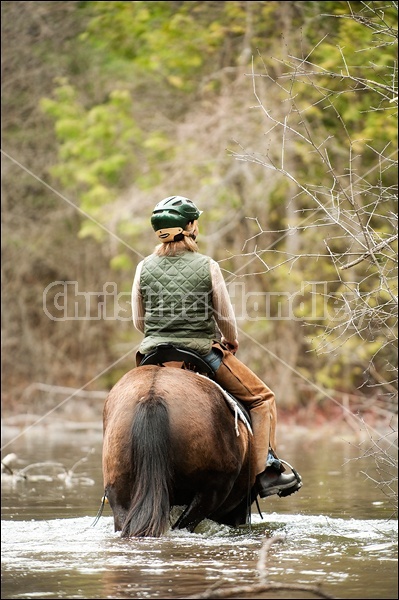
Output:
[[170, 439]]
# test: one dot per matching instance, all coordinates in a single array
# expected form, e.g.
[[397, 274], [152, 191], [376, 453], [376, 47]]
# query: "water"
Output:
[[337, 531]]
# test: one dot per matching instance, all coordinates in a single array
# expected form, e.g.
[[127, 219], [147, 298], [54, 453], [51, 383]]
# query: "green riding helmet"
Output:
[[175, 211]]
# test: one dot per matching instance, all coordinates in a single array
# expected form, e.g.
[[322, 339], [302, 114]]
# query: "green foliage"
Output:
[[165, 38], [360, 98], [122, 262], [96, 146]]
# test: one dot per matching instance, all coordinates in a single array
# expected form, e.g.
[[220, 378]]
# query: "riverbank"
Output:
[[74, 414]]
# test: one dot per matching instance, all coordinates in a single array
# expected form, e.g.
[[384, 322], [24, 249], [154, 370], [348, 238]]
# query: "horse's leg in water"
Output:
[[119, 512], [202, 506], [240, 515]]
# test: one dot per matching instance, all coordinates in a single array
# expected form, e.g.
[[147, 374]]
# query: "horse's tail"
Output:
[[151, 470]]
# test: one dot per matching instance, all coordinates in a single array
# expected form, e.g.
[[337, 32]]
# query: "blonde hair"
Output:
[[188, 244]]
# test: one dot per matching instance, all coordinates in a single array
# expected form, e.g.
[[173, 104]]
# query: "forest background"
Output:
[[278, 119]]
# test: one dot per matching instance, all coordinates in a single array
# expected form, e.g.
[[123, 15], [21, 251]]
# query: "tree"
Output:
[[341, 185]]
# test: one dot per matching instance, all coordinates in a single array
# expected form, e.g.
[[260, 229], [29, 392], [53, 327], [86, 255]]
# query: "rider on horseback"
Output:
[[179, 296]]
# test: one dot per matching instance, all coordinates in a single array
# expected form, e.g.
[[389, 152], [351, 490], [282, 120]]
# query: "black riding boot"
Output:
[[272, 481]]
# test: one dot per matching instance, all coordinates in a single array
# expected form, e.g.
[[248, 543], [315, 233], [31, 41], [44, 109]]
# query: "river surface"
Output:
[[339, 532]]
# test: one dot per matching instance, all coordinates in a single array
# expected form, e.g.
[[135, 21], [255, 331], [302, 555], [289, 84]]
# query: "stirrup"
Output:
[[294, 488]]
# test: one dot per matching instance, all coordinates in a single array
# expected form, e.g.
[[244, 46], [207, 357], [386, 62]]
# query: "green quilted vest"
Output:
[[177, 294]]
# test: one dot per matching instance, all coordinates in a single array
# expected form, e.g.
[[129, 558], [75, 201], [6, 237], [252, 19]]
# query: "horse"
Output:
[[170, 439]]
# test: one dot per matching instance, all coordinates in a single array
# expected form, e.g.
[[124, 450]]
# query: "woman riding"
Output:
[[179, 296]]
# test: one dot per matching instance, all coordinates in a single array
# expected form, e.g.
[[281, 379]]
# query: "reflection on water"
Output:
[[337, 531]]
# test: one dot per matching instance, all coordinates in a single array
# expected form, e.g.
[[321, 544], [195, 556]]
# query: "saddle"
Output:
[[188, 359], [169, 355]]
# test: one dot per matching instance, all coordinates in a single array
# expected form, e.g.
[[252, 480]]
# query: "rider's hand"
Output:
[[232, 346]]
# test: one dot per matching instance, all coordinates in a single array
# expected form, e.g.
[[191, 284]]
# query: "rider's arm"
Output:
[[223, 309], [137, 301]]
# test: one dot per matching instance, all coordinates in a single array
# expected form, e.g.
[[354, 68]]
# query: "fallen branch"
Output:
[[258, 588]]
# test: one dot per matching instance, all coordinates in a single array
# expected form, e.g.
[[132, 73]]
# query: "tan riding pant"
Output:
[[244, 385]]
